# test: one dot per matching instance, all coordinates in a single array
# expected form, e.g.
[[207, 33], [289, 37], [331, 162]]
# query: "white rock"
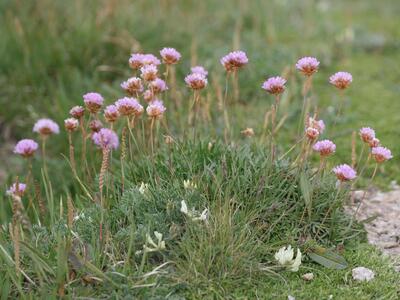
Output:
[[362, 274]]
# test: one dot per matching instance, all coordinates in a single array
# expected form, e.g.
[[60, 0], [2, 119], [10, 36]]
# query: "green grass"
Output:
[[53, 52]]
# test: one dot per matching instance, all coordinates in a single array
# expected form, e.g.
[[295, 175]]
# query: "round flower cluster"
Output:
[[155, 109], [344, 172], [17, 189], [274, 85], [46, 127], [26, 147], [158, 86], [149, 72], [367, 134], [138, 60], [93, 102], [314, 128], [170, 56], [307, 65], [129, 106], [106, 139], [324, 147], [71, 124], [381, 154], [132, 86], [77, 112], [196, 81], [341, 80], [199, 70], [111, 113], [234, 61]]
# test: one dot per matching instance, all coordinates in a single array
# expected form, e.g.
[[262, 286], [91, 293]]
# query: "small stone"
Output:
[[291, 298], [362, 274], [308, 276]]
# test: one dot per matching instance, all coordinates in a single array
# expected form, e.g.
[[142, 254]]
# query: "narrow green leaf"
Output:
[[328, 258], [306, 190]]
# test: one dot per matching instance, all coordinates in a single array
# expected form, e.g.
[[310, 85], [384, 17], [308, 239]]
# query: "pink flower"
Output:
[[150, 59], [307, 65], [95, 125], [138, 60], [158, 85], [344, 172], [132, 86], [149, 72], [17, 189], [170, 56], [374, 143], [46, 127], [106, 139], [148, 95], [77, 112], [381, 154], [341, 80], [312, 133], [274, 85], [199, 70], [111, 113], [93, 102], [325, 147], [196, 81], [26, 147], [129, 106], [234, 60], [71, 124], [155, 109], [317, 124], [367, 134]]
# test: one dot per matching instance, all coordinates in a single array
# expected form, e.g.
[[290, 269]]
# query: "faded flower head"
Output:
[[132, 86], [46, 127], [341, 80], [155, 109], [26, 147], [149, 72], [325, 147], [344, 172], [138, 60], [381, 154], [274, 85], [111, 113], [106, 139], [307, 65], [196, 81], [367, 134], [93, 102], [312, 133], [77, 112], [285, 257], [129, 106], [374, 143], [199, 70], [248, 132], [317, 124], [170, 56], [17, 189], [148, 95], [71, 124], [158, 86], [150, 59], [234, 61], [95, 125]]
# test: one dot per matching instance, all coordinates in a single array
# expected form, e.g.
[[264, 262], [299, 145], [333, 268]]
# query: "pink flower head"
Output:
[[312, 133], [199, 70], [148, 95], [170, 56], [111, 113], [158, 85], [381, 154], [71, 124], [106, 139], [77, 112], [46, 127], [196, 81], [128, 106], [95, 125], [234, 60], [307, 65], [138, 60], [17, 189], [26, 147], [374, 143], [156, 109], [150, 59], [317, 124], [325, 147], [149, 72], [274, 85], [341, 80], [344, 172], [367, 134], [132, 86], [93, 102]]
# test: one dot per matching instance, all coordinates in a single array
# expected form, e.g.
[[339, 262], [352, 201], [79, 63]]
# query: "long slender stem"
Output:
[[227, 128], [365, 192], [330, 208], [151, 136], [71, 153]]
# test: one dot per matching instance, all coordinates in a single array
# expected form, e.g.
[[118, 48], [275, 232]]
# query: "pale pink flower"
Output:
[[93, 102], [158, 86], [367, 134], [106, 139], [307, 65], [381, 154], [77, 112], [111, 113], [132, 86], [170, 56], [46, 127], [312, 133], [148, 95], [149, 72], [274, 85], [150, 59], [138, 60], [26, 147], [129, 106], [317, 124], [234, 60], [95, 125], [196, 81], [17, 189], [344, 172], [199, 70], [341, 80], [155, 109], [71, 124], [324, 147], [374, 142]]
